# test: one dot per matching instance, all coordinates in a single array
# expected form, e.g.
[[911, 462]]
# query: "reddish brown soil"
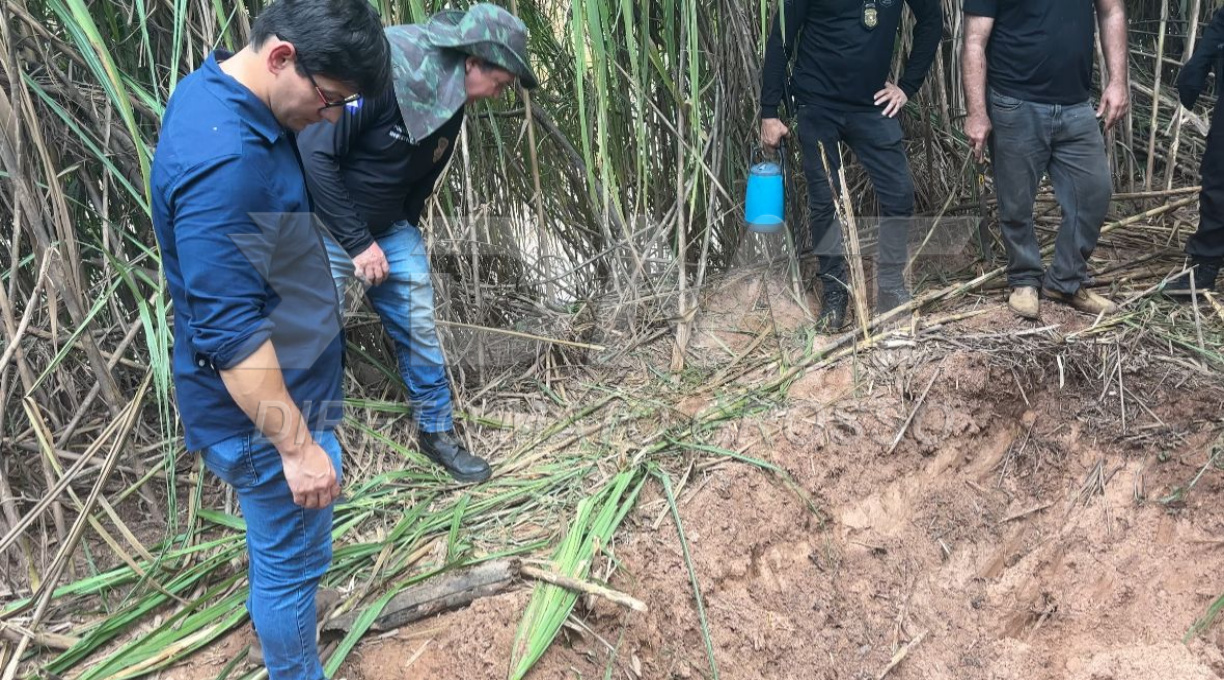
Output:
[[1017, 528]]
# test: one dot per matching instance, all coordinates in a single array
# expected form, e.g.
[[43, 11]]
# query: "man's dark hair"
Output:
[[340, 39]]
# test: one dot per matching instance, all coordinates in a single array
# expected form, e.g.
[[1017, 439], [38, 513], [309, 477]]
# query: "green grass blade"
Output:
[[688, 561], [596, 518], [452, 538], [354, 635], [94, 49], [1205, 622]]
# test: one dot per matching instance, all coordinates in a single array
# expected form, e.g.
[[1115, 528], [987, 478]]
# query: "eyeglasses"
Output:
[[330, 103]]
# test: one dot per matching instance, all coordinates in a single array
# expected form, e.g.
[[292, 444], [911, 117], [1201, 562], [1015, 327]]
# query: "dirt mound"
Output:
[[997, 510], [749, 305], [1016, 526], [473, 643]]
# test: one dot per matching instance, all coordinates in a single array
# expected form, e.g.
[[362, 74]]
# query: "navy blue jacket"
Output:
[[243, 256]]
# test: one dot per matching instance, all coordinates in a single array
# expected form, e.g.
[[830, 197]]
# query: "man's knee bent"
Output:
[[1096, 193]]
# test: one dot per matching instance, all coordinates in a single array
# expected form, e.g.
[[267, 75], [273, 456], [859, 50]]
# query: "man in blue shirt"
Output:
[[257, 340]]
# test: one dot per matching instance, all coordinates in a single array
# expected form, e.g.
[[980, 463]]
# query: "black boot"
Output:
[[832, 310], [892, 292], [835, 294], [1204, 272], [888, 299], [447, 450]]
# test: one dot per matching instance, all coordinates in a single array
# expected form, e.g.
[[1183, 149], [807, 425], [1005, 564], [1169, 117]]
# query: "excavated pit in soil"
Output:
[[1017, 527]]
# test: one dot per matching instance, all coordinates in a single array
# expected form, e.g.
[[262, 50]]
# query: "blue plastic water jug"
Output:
[[764, 202]]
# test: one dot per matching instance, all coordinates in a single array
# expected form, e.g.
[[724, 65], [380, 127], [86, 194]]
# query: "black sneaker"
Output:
[[447, 450], [1204, 273], [889, 299], [832, 309]]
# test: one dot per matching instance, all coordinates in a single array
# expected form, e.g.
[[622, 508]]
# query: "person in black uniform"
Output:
[[1206, 246], [843, 50]]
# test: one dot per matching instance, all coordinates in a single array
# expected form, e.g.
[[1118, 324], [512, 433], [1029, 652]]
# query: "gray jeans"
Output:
[[1028, 140]]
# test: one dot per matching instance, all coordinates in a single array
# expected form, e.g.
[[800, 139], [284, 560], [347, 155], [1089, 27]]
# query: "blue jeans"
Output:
[[1028, 140], [405, 303], [289, 549], [877, 142]]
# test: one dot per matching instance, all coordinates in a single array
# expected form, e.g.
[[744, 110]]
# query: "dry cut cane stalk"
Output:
[[580, 586], [851, 251]]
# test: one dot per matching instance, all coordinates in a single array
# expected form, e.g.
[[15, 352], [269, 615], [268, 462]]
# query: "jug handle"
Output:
[[758, 153]]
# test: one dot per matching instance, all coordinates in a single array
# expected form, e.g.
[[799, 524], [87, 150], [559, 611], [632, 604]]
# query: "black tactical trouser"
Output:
[[1208, 242], [877, 141]]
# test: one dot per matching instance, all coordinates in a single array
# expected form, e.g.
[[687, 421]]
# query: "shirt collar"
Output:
[[251, 109]]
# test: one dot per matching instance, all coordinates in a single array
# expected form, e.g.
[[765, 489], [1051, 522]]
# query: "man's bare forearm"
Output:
[[974, 59], [1111, 17], [257, 385], [973, 56]]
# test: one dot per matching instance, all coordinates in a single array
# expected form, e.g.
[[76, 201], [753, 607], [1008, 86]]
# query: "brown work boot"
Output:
[[1024, 301], [1083, 300], [326, 600]]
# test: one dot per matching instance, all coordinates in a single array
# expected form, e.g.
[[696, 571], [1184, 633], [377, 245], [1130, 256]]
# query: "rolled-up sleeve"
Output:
[[224, 254]]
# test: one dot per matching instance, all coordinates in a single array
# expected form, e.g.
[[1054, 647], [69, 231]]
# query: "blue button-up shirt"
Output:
[[243, 257]]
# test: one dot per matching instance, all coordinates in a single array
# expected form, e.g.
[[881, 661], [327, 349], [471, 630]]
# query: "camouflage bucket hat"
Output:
[[428, 80], [427, 61], [488, 32]]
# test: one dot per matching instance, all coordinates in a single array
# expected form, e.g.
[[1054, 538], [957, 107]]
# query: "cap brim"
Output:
[[504, 58], [527, 79]]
